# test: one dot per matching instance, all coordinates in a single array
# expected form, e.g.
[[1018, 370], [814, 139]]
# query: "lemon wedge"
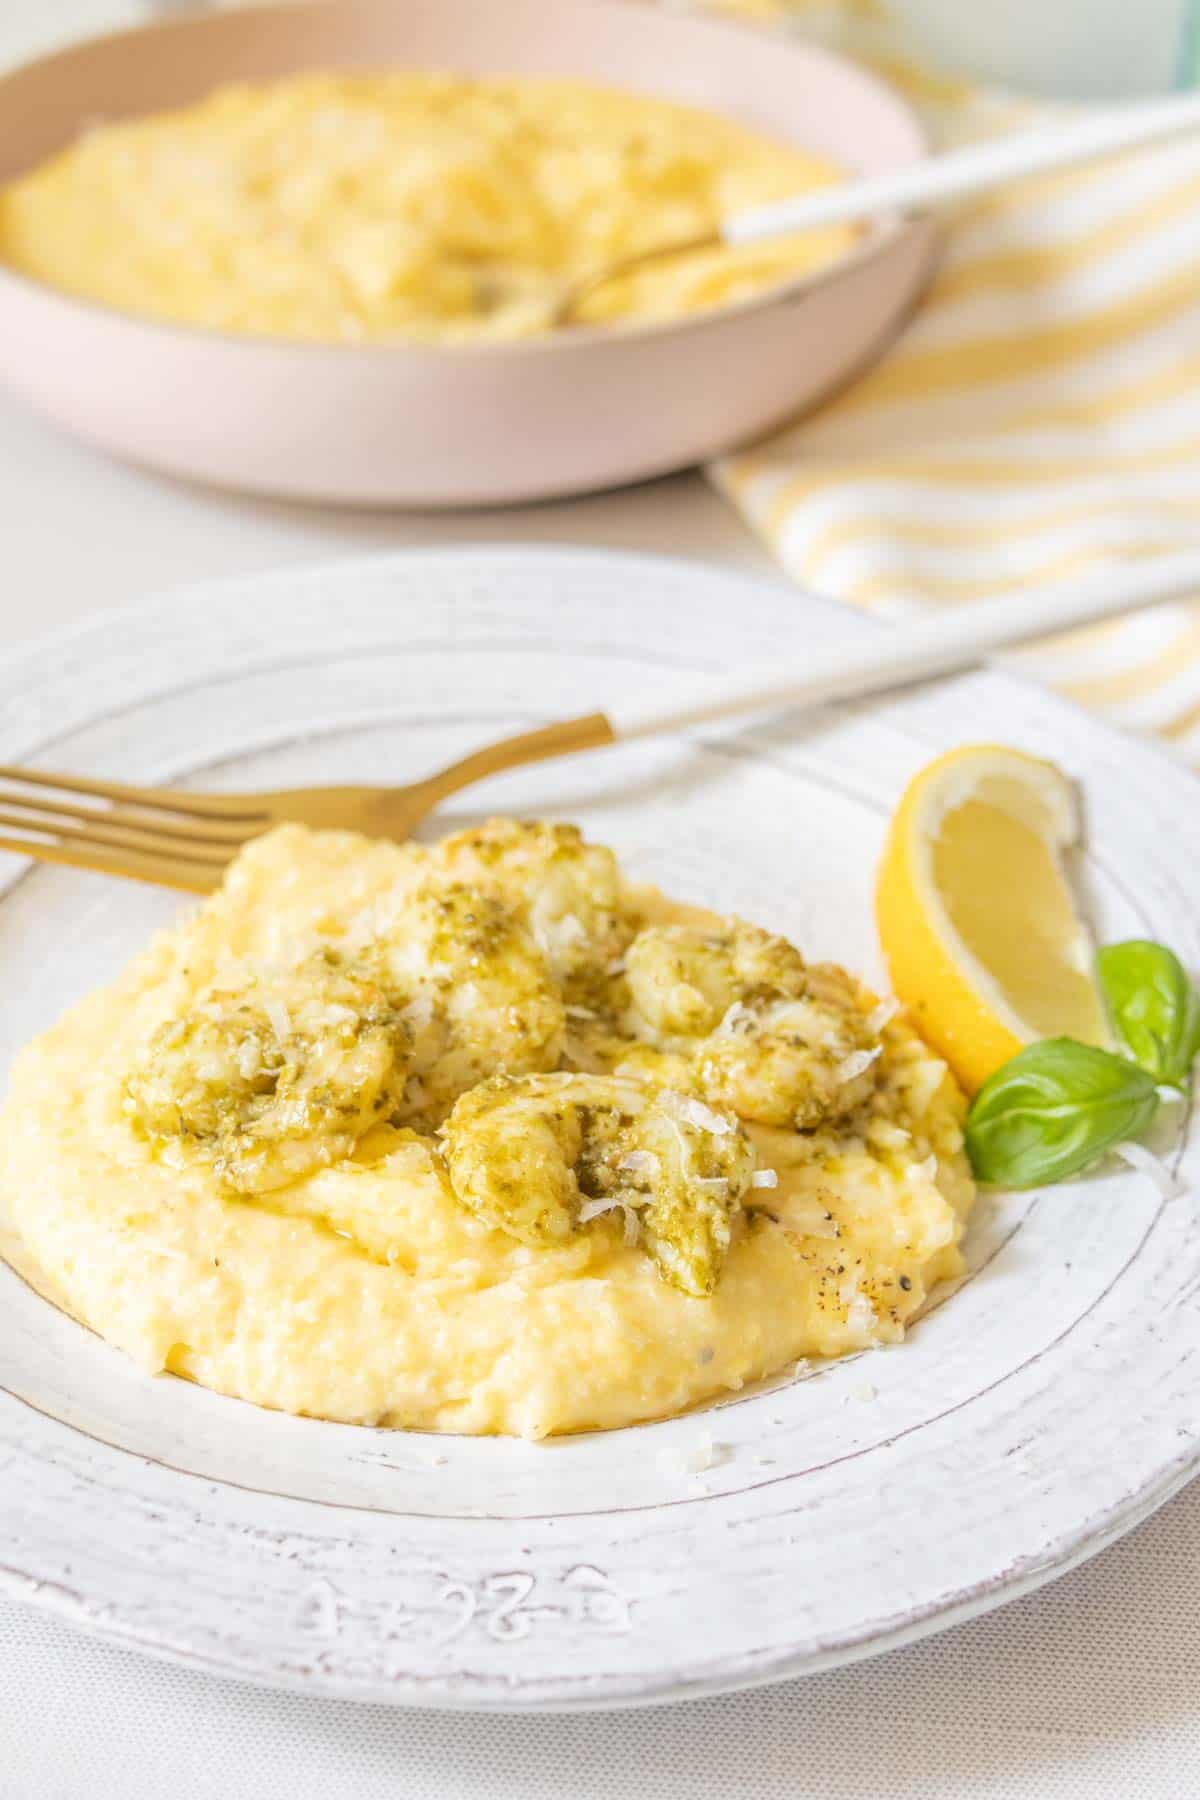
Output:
[[976, 916]]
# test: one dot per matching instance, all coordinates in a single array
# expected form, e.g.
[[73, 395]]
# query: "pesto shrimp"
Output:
[[773, 1038], [544, 1157], [567, 891], [481, 999], [275, 1074]]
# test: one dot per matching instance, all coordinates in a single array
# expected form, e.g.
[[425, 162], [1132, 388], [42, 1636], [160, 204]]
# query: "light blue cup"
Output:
[[1086, 49]]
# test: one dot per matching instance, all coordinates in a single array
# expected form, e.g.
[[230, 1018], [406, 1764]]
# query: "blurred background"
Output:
[[1074, 48]]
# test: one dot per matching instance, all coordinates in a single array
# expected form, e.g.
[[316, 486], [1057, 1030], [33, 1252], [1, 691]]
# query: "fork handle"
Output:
[[912, 652], [560, 739], [868, 665]]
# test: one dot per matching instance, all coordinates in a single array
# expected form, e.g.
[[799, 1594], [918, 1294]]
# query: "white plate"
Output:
[[1050, 1405]]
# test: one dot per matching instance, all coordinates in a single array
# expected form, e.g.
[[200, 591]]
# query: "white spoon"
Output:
[[934, 182]]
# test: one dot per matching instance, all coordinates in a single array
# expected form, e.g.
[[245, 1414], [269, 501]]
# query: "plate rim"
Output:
[[633, 1691]]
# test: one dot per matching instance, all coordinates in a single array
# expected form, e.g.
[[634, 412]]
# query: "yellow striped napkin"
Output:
[[1039, 416]]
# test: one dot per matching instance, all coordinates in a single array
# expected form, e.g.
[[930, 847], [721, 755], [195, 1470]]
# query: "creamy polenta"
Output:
[[480, 1138], [349, 207]]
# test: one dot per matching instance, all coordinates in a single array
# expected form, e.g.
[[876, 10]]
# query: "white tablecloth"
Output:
[[1087, 1690]]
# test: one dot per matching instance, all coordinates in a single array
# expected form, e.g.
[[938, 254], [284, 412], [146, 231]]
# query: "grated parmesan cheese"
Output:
[[764, 1178], [856, 1064], [695, 1459], [640, 1162], [249, 1062], [737, 1018], [280, 1018], [694, 1112], [814, 1220], [882, 1015], [860, 1314], [564, 933], [419, 1012], [632, 1224], [340, 1015], [366, 926], [229, 977], [595, 1209]]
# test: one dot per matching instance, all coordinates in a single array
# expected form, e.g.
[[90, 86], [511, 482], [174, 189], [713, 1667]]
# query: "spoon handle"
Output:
[[975, 170], [891, 658]]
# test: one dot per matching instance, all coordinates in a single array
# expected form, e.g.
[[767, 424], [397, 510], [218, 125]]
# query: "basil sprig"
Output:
[[1053, 1109], [1058, 1105], [1154, 1008]]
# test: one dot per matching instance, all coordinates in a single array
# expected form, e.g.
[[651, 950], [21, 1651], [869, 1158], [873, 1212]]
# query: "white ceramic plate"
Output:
[[1031, 1418]]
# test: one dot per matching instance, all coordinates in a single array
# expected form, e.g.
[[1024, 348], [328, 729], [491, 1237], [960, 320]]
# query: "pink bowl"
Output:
[[448, 426]]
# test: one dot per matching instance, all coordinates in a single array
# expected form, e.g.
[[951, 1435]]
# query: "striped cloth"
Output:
[[1039, 416]]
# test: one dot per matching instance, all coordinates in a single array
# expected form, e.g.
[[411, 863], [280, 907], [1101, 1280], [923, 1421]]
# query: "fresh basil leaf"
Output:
[[1154, 1008], [1053, 1109]]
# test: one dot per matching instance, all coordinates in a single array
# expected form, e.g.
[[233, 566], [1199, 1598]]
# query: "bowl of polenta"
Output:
[[305, 250]]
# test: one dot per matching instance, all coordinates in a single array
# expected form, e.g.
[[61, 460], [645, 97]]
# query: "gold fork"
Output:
[[184, 840], [178, 839]]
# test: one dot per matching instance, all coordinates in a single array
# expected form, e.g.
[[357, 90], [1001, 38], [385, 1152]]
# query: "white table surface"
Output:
[[1088, 1689]]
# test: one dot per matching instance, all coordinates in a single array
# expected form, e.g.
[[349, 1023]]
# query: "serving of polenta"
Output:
[[352, 207], [480, 1137]]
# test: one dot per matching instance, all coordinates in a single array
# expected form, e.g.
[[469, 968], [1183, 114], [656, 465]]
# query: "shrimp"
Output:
[[481, 999], [682, 980], [275, 1077], [567, 892], [542, 1157], [283, 1072], [773, 1038]]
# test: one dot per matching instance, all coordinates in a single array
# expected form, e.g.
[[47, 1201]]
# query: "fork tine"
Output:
[[201, 806], [212, 856], [228, 834], [160, 871]]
